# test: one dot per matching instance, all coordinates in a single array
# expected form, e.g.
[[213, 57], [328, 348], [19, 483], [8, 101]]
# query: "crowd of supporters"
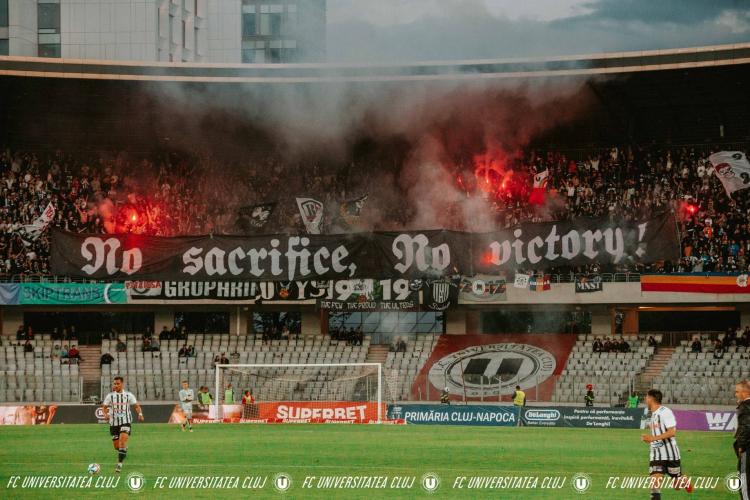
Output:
[[171, 194]]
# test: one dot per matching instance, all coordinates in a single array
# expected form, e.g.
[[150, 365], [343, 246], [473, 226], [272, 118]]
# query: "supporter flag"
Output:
[[539, 283], [732, 168], [353, 208], [31, 232], [349, 212], [521, 281], [540, 188], [257, 215], [312, 214]]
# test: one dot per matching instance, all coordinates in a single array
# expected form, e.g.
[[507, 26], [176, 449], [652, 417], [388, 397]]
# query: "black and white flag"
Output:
[[312, 214], [353, 208], [257, 215], [732, 169], [31, 232], [440, 294]]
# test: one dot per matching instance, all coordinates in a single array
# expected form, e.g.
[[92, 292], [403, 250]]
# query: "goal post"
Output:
[[301, 393]]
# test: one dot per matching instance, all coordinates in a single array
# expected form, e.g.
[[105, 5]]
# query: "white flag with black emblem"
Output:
[[732, 169], [257, 216], [521, 281], [32, 232], [312, 214]]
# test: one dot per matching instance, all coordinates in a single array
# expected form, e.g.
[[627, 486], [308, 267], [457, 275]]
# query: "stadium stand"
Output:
[[157, 375], [97, 193], [702, 377], [612, 373], [39, 375], [402, 367]]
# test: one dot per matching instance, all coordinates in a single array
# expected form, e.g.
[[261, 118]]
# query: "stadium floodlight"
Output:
[[301, 393]]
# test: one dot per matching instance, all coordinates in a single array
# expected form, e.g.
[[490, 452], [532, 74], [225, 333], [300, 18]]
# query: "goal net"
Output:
[[299, 393]]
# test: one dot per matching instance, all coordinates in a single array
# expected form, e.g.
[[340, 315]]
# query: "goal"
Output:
[[301, 393]]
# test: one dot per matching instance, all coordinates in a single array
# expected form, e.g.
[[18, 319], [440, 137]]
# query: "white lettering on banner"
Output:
[[235, 254], [265, 290], [721, 421], [255, 257], [193, 263], [415, 250], [571, 245], [132, 259], [217, 262], [590, 238], [292, 255], [533, 245], [340, 413], [460, 416], [335, 256]]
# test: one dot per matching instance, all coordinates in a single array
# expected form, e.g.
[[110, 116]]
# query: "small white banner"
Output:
[[312, 214], [521, 281], [732, 169]]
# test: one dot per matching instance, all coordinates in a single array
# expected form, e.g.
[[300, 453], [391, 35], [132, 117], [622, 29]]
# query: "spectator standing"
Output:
[[204, 398], [445, 397], [229, 395], [519, 397], [249, 410], [73, 353], [589, 398], [598, 346], [718, 349], [696, 346], [633, 400], [106, 359]]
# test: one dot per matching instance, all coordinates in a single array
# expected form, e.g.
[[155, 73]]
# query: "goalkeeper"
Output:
[[187, 395]]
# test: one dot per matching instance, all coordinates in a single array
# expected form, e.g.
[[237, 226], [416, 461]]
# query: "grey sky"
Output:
[[406, 30]]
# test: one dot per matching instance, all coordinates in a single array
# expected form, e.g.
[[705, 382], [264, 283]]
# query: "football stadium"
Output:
[[344, 249]]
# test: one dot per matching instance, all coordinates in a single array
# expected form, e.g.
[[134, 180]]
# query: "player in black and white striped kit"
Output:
[[664, 454], [116, 408]]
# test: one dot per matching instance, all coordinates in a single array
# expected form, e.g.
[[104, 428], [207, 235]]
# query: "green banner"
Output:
[[582, 416], [72, 293]]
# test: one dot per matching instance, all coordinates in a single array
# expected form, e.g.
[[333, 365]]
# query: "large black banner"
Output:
[[413, 254]]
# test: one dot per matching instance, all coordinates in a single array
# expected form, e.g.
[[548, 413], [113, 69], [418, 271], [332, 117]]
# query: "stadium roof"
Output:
[[581, 65]]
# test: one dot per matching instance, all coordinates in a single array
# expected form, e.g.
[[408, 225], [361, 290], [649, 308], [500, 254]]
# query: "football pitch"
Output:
[[309, 454]]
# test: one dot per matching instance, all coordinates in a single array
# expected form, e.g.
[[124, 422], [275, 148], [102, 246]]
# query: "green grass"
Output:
[[315, 450]]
